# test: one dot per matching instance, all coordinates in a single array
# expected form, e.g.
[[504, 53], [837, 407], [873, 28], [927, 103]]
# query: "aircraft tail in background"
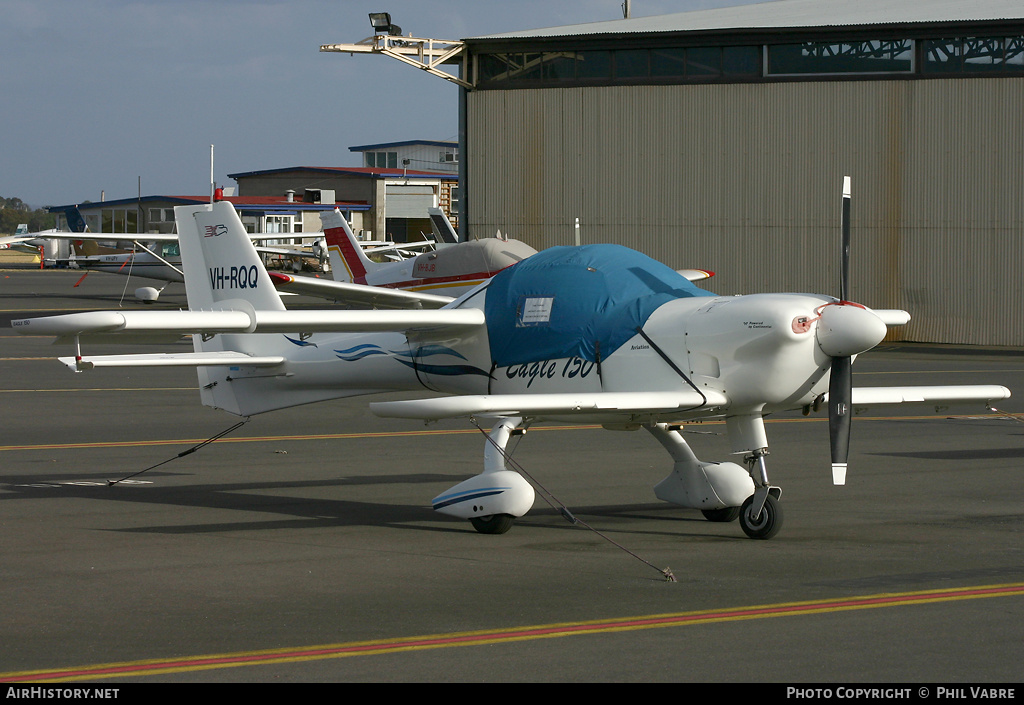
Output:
[[348, 261], [443, 230]]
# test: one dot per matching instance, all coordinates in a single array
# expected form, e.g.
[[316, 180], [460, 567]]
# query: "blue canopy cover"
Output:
[[576, 302]]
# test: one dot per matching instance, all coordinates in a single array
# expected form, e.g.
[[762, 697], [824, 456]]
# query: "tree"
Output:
[[14, 211]]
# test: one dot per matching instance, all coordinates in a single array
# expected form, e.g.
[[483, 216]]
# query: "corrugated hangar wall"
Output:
[[745, 180]]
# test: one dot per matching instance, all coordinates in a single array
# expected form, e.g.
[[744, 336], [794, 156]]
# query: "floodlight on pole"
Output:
[[426, 54], [381, 23]]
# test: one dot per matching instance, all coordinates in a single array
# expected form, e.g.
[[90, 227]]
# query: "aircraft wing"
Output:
[[105, 237], [696, 275], [238, 321], [638, 404], [360, 294], [284, 252], [144, 237], [18, 239], [404, 248], [938, 395], [892, 316], [192, 359], [598, 404], [150, 326]]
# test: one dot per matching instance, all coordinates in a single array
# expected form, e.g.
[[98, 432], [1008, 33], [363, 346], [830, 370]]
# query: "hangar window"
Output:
[[604, 67], [974, 55], [632, 63], [824, 58], [594, 65], [491, 67], [704, 62], [559, 66], [668, 62], [741, 62]]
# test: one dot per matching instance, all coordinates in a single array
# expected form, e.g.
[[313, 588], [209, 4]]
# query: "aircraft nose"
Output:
[[846, 329]]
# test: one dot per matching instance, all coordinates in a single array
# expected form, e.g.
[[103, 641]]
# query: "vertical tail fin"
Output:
[[223, 270], [76, 223], [348, 261], [443, 230], [219, 260]]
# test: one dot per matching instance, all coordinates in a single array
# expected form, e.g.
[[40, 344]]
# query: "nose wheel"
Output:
[[761, 524], [761, 513], [493, 524]]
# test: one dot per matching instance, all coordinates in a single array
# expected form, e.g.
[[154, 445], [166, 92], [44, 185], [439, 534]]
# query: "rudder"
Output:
[[348, 261]]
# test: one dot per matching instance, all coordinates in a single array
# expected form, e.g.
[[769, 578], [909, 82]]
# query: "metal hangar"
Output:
[[719, 139]]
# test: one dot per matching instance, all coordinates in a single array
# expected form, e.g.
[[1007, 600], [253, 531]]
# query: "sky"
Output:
[[100, 96]]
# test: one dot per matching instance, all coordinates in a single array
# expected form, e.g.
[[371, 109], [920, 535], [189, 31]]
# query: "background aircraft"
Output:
[[430, 280], [597, 335], [150, 255], [433, 279]]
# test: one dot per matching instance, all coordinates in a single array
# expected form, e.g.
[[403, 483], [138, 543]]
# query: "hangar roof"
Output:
[[406, 143], [247, 203], [792, 14], [356, 171]]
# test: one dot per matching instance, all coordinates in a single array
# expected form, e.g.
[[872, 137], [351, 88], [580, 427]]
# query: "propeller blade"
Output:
[[840, 398], [844, 275], [840, 382]]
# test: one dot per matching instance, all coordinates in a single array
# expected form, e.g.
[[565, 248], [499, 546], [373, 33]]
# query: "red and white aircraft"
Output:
[[431, 280]]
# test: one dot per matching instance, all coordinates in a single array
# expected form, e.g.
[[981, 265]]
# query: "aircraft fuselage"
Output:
[[759, 351]]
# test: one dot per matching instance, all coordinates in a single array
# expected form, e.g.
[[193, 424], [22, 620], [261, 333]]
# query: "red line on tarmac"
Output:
[[383, 646]]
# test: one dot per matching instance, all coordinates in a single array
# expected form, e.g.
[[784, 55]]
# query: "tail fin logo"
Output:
[[215, 230]]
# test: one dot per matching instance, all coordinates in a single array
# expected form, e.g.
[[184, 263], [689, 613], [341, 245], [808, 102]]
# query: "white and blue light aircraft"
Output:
[[598, 334]]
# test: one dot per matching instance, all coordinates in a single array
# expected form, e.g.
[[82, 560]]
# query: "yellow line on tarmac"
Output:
[[275, 439], [429, 432], [152, 667]]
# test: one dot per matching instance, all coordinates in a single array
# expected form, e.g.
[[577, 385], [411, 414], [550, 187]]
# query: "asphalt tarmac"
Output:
[[302, 548]]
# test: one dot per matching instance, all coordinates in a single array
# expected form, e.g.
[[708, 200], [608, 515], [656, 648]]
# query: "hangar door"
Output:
[[409, 200], [406, 210]]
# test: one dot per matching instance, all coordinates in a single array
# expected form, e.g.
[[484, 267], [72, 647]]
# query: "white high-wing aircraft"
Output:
[[150, 255], [595, 335]]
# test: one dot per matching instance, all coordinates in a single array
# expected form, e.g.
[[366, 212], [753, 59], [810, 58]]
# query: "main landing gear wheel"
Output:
[[493, 524], [724, 514], [766, 525]]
